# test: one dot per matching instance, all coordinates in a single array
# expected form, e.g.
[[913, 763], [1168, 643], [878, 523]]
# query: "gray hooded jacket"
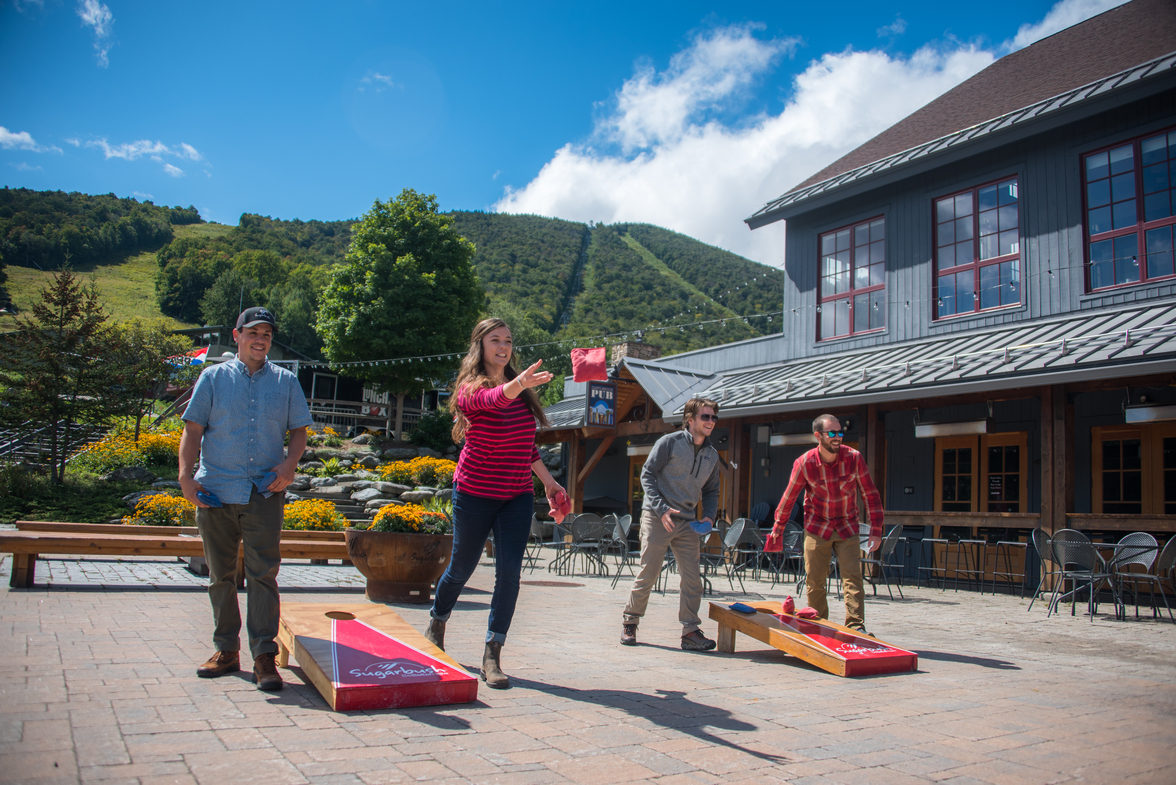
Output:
[[675, 477]]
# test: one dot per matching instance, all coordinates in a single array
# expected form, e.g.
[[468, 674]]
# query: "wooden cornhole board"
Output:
[[364, 656], [829, 646]]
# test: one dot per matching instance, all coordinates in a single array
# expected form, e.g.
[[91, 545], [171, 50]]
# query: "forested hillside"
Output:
[[554, 280]]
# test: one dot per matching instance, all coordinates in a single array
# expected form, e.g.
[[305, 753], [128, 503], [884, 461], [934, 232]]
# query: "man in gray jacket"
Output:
[[682, 468]]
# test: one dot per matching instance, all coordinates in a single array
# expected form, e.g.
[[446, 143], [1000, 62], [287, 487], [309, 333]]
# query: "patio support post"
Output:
[[1048, 461], [735, 447], [575, 461]]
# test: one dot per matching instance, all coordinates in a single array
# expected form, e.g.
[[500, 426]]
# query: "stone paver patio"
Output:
[[97, 684]]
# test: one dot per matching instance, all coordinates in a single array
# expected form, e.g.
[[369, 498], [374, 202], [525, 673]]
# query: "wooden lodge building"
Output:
[[984, 294]]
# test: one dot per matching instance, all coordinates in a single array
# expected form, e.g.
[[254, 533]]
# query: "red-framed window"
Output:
[[978, 249], [852, 295], [1129, 197]]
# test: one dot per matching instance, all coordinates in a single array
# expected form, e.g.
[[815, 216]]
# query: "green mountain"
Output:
[[562, 282]]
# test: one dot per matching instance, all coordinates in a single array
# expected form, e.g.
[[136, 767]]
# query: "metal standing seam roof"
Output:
[[1120, 80], [1087, 345]]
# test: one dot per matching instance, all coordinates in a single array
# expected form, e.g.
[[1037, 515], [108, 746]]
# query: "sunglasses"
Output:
[[835, 434], [709, 417]]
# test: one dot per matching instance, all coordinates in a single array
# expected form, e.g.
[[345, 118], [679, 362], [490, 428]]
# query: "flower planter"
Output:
[[399, 567]]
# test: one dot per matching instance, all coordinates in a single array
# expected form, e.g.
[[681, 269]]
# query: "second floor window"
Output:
[[1129, 211], [852, 295], [977, 249]]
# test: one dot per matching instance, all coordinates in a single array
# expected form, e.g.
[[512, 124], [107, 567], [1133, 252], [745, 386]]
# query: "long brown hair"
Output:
[[473, 376]]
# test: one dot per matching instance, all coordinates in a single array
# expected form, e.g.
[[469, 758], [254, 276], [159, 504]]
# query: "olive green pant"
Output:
[[686, 547], [818, 554], [258, 525]]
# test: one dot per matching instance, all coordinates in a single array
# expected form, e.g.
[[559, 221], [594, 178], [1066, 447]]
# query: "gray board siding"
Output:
[[726, 357], [1052, 227]]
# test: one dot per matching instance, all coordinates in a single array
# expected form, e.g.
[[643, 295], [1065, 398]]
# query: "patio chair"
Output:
[[742, 547], [559, 545], [619, 544], [1139, 550], [930, 566], [1039, 539], [887, 549], [792, 553], [760, 513], [589, 534], [1080, 563]]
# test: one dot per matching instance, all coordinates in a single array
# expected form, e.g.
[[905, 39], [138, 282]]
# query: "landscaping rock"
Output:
[[400, 453], [451, 450], [312, 465], [428, 488], [369, 461], [425, 452], [366, 495], [360, 485], [131, 499], [301, 482], [165, 484], [363, 438], [346, 462], [376, 504], [137, 473], [417, 496], [364, 474], [322, 482], [342, 478], [392, 488], [290, 497], [445, 495]]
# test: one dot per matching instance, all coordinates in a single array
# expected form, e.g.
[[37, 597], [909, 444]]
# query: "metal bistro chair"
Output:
[[620, 545], [559, 545], [1039, 539], [589, 533], [792, 553], [1139, 549], [741, 548], [1080, 563], [889, 543]]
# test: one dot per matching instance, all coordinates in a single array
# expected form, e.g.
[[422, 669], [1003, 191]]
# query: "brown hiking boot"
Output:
[[435, 633], [492, 667], [628, 634], [265, 672], [696, 641], [219, 664]]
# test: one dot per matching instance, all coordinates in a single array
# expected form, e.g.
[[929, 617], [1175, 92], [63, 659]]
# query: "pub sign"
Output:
[[602, 405]]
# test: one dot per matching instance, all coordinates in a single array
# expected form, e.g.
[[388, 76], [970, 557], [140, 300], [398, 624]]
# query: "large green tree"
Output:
[[406, 290], [151, 356], [57, 368]]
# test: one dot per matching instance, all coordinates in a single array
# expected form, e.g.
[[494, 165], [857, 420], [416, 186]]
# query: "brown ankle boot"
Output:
[[219, 664], [435, 634], [491, 667], [265, 673]]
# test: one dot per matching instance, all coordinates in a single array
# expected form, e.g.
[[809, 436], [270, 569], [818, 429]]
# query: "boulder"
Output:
[[136, 473], [392, 488], [165, 484], [450, 450], [376, 504], [131, 499], [290, 497], [322, 482], [445, 495], [425, 452], [366, 495], [417, 496], [312, 465], [363, 438], [342, 478], [360, 485], [369, 461], [400, 453], [301, 482], [346, 462], [364, 474]]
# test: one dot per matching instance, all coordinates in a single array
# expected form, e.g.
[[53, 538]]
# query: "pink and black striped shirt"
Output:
[[499, 445]]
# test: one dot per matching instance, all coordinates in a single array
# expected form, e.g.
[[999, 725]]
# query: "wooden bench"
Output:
[[34, 538]]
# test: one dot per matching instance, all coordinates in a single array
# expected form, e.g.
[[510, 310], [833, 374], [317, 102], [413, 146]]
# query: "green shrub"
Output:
[[433, 430]]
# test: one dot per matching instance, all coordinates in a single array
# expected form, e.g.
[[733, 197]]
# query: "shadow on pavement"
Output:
[[983, 662]]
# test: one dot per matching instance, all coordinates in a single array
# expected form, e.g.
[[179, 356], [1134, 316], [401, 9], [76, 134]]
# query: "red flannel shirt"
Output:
[[830, 501]]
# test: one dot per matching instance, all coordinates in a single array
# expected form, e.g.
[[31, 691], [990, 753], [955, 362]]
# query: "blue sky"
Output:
[[676, 114]]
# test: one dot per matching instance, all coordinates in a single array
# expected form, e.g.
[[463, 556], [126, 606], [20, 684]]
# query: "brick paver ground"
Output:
[[97, 684]]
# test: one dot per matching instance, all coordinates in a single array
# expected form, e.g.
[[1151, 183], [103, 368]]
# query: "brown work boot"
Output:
[[435, 634], [219, 664], [492, 667], [265, 672], [628, 634], [696, 641]]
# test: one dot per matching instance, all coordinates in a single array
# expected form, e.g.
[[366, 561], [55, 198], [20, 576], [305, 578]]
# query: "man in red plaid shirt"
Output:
[[830, 474]]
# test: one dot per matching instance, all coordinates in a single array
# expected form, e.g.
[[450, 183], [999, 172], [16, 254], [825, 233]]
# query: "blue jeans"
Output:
[[474, 517]]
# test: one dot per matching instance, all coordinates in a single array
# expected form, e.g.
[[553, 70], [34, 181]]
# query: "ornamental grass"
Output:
[[313, 515], [162, 509], [434, 472], [410, 519]]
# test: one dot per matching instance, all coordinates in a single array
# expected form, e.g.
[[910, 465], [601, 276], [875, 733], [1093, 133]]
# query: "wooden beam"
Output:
[[576, 455], [735, 442], [1062, 465], [1048, 459], [595, 459]]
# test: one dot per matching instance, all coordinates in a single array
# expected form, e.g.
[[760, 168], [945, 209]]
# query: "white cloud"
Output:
[[895, 28], [662, 154], [73, 141], [23, 140], [130, 151], [174, 171], [142, 196], [97, 15], [23, 167], [188, 151], [1066, 13], [21, 5], [380, 82]]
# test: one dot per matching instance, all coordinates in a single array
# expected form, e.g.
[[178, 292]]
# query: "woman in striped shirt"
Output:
[[495, 410]]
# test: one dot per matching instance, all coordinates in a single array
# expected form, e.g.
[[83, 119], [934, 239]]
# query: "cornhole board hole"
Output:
[[364, 656], [829, 646]]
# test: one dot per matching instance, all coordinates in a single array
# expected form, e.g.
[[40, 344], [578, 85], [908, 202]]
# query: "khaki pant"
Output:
[[259, 525], [818, 554], [685, 544]]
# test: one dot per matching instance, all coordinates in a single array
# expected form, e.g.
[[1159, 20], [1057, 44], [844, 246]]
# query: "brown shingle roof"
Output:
[[1106, 44]]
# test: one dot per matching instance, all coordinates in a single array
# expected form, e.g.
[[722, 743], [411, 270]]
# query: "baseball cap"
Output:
[[252, 316]]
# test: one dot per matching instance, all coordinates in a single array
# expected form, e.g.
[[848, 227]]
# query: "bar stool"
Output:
[[974, 554], [928, 564], [1004, 558]]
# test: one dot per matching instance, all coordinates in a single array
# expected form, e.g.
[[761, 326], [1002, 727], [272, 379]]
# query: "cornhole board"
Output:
[[829, 646], [364, 656]]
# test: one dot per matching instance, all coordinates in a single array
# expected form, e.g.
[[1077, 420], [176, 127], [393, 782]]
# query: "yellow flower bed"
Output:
[[119, 449], [435, 472], [162, 510], [410, 519], [313, 515]]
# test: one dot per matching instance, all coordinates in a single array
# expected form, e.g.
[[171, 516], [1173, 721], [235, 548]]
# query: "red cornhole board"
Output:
[[364, 656], [829, 646]]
